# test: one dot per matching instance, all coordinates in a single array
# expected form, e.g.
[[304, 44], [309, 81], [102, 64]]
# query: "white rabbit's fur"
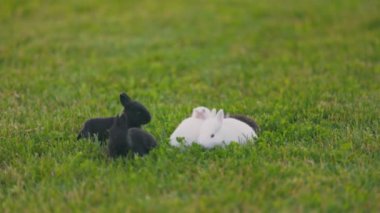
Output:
[[188, 129], [218, 130]]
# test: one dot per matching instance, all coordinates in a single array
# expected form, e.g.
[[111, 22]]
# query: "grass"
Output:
[[307, 71]]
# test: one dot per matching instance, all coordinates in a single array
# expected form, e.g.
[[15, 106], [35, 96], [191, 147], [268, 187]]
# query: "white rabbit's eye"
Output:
[[212, 135]]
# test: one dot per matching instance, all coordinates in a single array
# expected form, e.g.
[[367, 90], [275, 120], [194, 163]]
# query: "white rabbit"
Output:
[[218, 130], [188, 129]]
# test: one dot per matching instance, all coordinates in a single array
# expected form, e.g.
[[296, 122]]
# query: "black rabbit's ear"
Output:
[[124, 99]]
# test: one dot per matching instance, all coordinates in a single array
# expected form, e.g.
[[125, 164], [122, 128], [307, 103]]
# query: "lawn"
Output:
[[307, 71]]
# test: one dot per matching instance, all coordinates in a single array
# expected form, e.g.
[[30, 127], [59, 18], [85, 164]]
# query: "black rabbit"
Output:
[[98, 127], [124, 139], [140, 142], [118, 144]]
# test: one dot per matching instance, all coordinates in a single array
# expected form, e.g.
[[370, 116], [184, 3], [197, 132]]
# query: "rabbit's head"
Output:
[[136, 113], [210, 130], [201, 113]]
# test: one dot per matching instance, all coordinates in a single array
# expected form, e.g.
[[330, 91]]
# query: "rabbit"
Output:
[[140, 142], [96, 127], [188, 129], [118, 144], [137, 115], [218, 130], [124, 140]]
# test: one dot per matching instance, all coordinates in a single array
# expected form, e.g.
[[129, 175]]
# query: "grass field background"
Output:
[[307, 71]]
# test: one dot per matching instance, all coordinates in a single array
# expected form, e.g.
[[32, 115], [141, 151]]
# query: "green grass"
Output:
[[307, 71]]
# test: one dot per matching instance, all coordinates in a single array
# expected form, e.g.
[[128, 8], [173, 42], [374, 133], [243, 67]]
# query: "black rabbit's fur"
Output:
[[250, 122], [98, 127], [118, 144], [140, 141], [124, 139]]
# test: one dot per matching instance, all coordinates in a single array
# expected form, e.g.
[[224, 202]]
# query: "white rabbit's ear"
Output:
[[220, 116], [213, 112], [197, 112]]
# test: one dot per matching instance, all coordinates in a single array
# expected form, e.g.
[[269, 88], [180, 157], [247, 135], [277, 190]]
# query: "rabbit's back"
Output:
[[235, 131], [96, 127], [239, 127], [140, 141], [187, 129]]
